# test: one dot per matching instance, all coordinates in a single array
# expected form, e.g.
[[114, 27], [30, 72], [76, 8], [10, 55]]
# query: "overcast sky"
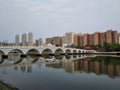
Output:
[[47, 18]]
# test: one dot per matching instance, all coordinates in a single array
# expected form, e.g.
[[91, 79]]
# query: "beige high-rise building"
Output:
[[40, 41], [63, 40], [86, 39], [80, 38], [115, 37], [49, 41], [57, 41], [102, 38], [119, 38], [24, 40], [17, 40], [30, 39], [111, 37], [76, 40], [91, 39], [69, 38], [96, 38]]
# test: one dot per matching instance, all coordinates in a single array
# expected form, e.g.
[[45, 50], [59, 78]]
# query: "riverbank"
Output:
[[4, 86], [106, 53]]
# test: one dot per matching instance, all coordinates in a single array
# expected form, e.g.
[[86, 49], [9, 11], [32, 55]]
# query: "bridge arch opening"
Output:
[[32, 58], [47, 52], [1, 52], [74, 51], [32, 51], [79, 52], [83, 52], [15, 51], [1, 60], [59, 52], [68, 51]]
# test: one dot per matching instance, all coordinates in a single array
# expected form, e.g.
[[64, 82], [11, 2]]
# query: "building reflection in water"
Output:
[[99, 67], [16, 67], [29, 68], [26, 67], [23, 68]]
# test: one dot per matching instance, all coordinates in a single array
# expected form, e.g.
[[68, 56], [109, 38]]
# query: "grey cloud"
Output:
[[55, 17]]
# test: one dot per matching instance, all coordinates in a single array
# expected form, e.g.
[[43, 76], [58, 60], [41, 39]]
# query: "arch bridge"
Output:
[[42, 50]]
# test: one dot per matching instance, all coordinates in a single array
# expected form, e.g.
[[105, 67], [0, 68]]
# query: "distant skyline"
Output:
[[48, 18]]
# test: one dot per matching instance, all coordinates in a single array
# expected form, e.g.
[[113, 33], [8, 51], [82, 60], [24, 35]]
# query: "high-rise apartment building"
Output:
[[69, 38], [57, 41], [102, 38], [111, 37], [30, 39], [86, 39], [40, 41], [63, 41], [96, 38], [17, 40], [80, 40], [24, 40], [76, 40], [115, 37], [119, 38], [91, 39], [49, 41]]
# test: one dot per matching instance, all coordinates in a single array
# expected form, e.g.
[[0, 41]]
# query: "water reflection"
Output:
[[59, 57], [1, 60], [32, 58], [99, 65], [68, 56], [75, 73], [15, 58], [74, 56]]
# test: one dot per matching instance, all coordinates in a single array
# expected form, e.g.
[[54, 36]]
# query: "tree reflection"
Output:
[[99, 65]]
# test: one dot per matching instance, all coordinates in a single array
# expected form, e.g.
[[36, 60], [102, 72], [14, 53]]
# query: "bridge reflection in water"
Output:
[[109, 66], [15, 58]]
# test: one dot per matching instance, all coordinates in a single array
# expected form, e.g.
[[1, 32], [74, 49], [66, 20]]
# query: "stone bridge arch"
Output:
[[74, 51], [52, 50], [58, 51], [47, 51], [79, 51], [1, 60], [16, 51], [1, 52], [68, 51], [33, 51]]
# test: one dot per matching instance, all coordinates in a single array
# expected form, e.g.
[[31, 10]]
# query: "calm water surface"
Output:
[[98, 73]]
